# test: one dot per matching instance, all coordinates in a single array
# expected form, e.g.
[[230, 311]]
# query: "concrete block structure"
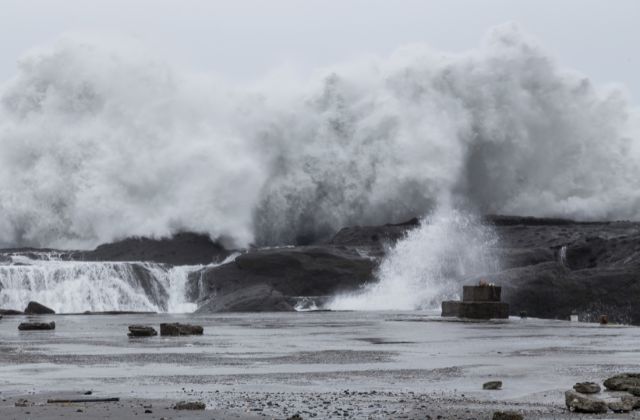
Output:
[[478, 302]]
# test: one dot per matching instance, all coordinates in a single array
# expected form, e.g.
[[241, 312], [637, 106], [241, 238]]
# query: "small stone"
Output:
[[295, 417], [492, 385], [35, 326], [147, 411], [507, 415], [189, 405], [587, 387], [582, 404], [23, 403]]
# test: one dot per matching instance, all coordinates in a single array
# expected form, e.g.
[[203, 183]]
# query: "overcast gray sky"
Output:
[[243, 39]]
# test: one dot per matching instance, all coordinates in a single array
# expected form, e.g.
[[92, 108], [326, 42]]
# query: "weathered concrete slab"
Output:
[[451, 308], [484, 310]]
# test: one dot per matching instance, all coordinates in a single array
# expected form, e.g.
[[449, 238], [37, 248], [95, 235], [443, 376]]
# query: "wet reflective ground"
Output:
[[364, 353]]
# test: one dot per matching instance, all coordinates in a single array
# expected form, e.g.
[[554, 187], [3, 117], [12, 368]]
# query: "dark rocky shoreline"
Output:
[[551, 267]]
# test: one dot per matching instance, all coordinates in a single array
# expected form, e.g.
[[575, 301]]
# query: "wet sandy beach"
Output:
[[316, 364]]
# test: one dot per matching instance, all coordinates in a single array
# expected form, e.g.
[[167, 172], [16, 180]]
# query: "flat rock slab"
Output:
[[174, 329], [34, 326], [623, 382], [142, 331], [35, 308]]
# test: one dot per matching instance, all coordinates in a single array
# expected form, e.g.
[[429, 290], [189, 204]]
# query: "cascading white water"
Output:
[[74, 286], [428, 265]]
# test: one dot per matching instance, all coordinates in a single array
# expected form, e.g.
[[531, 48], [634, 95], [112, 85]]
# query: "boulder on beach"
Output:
[[587, 387], [35, 308], [583, 404], [33, 326], [180, 329], [141, 331], [623, 382]]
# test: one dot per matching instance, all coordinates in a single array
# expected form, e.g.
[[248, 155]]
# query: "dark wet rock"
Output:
[[623, 382], [10, 312], [266, 279], [634, 401], [256, 298], [492, 385], [35, 308], [634, 391], [583, 404], [621, 405], [180, 249], [190, 405], [550, 290], [373, 236], [587, 387], [141, 331], [33, 326], [507, 415], [116, 313], [180, 329]]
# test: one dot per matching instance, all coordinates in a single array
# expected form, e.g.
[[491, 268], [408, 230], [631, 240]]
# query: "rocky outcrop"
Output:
[[267, 279], [35, 308], [180, 249], [10, 312]]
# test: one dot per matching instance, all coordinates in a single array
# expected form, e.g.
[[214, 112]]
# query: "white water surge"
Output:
[[73, 286], [429, 265], [100, 140]]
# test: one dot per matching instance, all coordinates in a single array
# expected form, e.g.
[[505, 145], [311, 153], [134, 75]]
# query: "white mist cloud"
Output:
[[101, 140]]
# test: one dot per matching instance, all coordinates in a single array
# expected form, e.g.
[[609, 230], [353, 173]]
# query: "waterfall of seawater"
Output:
[[75, 286]]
